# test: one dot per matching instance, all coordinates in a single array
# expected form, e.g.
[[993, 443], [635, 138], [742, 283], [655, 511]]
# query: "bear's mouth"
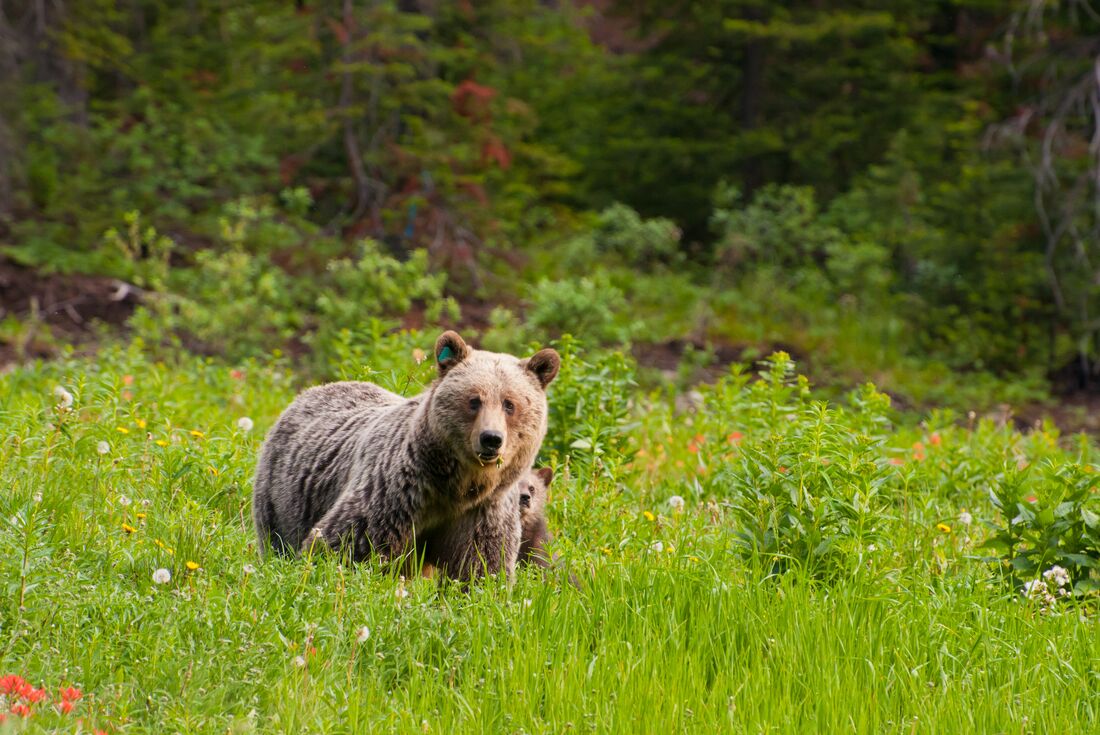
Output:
[[487, 458]]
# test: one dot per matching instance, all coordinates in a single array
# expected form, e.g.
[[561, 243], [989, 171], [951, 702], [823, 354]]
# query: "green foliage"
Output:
[[591, 401], [149, 468], [815, 493], [1048, 516]]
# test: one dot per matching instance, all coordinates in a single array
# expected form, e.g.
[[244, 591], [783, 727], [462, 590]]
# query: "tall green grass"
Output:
[[675, 621]]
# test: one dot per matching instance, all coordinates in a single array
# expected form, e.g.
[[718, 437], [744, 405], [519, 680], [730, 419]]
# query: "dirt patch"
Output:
[[52, 310], [668, 355]]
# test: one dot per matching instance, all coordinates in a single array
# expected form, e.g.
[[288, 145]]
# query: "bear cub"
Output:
[[534, 534]]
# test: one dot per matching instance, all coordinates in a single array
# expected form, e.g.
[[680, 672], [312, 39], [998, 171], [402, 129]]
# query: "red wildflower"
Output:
[[1031, 499], [127, 379], [918, 451], [236, 374], [693, 447], [31, 694], [71, 694], [735, 437], [66, 707], [782, 470], [11, 683], [935, 439], [21, 709], [897, 461]]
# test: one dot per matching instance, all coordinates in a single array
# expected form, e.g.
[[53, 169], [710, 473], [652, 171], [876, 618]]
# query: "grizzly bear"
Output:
[[351, 465]]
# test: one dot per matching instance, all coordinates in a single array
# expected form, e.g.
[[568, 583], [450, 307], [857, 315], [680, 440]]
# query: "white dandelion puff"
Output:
[[400, 593], [657, 546], [676, 503], [103, 448], [245, 424], [64, 397], [162, 576], [38, 497], [123, 501], [362, 634], [300, 661], [965, 518], [249, 569]]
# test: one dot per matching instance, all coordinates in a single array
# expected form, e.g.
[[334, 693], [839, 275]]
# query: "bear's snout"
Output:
[[489, 443]]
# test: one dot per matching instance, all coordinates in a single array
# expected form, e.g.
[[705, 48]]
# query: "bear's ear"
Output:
[[544, 364], [545, 474], [449, 351]]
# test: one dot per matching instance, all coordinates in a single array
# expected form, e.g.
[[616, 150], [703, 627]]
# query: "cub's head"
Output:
[[533, 490], [491, 407]]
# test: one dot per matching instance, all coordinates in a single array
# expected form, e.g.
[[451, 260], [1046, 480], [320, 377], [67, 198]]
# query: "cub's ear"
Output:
[[544, 364], [545, 474], [449, 351]]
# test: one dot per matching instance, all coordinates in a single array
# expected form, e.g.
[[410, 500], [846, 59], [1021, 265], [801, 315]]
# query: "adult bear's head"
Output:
[[491, 407]]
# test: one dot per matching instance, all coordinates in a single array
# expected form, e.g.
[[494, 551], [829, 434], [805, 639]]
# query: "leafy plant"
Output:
[[1048, 516]]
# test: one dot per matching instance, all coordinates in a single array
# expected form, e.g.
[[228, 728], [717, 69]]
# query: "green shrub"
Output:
[[1049, 516], [590, 406]]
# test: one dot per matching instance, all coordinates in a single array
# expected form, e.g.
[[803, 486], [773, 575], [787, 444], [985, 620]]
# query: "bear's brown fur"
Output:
[[352, 464]]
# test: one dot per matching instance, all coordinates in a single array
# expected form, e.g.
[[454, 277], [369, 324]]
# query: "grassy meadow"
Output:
[[764, 563]]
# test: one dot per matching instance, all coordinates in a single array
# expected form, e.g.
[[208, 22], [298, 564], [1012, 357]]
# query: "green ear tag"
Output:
[[445, 354]]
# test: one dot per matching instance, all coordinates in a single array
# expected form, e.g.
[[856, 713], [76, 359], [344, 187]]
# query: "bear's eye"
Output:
[[509, 407], [475, 403]]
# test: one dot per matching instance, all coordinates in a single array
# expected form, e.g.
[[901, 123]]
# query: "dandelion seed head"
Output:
[[123, 501], [64, 397], [965, 518], [657, 546], [300, 661], [249, 569], [103, 448], [245, 424], [362, 634], [162, 576], [676, 503]]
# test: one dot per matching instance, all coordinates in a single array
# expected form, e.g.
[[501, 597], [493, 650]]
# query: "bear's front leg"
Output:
[[484, 540], [362, 529]]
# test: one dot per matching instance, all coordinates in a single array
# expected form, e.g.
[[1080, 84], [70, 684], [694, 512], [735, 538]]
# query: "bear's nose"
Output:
[[491, 440], [525, 501]]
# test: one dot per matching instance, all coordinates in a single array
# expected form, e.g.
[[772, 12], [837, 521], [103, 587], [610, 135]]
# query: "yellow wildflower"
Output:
[[212, 470], [191, 566], [122, 430], [196, 433], [943, 527], [161, 443], [140, 423], [140, 516], [606, 551], [128, 528], [649, 516]]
